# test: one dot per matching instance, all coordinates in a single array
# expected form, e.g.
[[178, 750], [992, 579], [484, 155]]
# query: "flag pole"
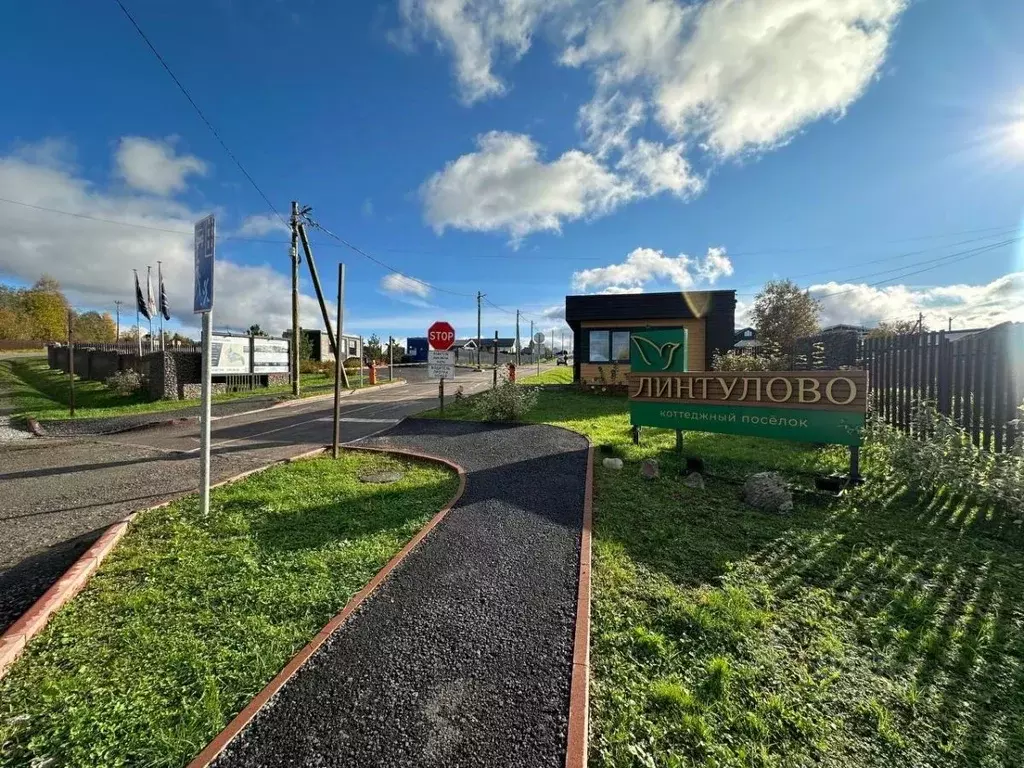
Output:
[[160, 296], [138, 319]]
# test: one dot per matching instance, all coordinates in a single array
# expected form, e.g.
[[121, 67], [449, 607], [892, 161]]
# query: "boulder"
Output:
[[767, 492], [612, 463], [694, 480], [650, 469]]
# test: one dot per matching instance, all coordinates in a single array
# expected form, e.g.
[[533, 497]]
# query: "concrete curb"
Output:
[[242, 719], [579, 691], [35, 619]]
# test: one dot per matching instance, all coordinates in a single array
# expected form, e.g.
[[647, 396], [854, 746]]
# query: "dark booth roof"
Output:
[[650, 306]]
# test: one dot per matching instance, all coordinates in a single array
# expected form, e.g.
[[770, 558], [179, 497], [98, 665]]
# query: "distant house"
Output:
[[320, 344], [416, 349], [746, 339], [860, 330]]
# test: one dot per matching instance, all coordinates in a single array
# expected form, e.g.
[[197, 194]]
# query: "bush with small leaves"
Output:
[[506, 402], [125, 383]]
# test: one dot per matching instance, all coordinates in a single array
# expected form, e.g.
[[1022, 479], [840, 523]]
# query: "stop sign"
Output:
[[441, 335]]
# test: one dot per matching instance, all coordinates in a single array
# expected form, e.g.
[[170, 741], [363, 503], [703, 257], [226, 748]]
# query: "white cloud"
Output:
[[262, 224], [720, 78], [505, 185], [477, 33], [646, 265], [971, 306], [746, 74], [93, 260], [394, 283], [657, 168], [153, 166]]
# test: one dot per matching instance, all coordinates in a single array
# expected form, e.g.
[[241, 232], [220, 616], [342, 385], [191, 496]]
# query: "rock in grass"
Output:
[[381, 477], [767, 492], [650, 469], [612, 463], [694, 480]]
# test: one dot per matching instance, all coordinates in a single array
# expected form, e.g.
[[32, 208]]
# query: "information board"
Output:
[[441, 364], [270, 356]]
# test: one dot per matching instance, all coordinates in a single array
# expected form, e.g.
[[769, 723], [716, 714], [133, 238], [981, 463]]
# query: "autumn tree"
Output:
[[47, 309], [783, 313], [92, 326], [895, 328]]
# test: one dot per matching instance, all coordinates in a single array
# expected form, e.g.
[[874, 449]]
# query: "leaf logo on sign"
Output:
[[663, 352]]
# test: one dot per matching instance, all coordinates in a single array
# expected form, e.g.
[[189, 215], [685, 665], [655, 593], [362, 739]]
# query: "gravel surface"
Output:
[[8, 433], [463, 657]]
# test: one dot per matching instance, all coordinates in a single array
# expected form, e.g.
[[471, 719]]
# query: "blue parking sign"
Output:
[[205, 236]]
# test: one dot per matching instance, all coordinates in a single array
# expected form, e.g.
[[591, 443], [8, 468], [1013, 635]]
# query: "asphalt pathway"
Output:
[[463, 657], [57, 496]]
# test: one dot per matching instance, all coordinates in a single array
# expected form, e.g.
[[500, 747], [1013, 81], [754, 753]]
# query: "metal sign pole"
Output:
[[204, 424], [205, 248]]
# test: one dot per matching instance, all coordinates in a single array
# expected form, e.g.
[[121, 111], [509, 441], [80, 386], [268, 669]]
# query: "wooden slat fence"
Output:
[[977, 380]]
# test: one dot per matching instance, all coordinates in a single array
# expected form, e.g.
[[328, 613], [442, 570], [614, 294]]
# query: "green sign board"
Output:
[[805, 406], [663, 350], [838, 427]]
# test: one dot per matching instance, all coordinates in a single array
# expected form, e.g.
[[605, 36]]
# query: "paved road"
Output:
[[57, 496]]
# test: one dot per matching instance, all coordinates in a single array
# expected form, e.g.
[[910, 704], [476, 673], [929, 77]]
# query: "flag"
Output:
[[140, 300], [165, 307], [150, 304]]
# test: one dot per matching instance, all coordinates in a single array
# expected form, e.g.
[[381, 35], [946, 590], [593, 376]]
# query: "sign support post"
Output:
[[338, 367], [205, 239], [204, 421], [440, 394]]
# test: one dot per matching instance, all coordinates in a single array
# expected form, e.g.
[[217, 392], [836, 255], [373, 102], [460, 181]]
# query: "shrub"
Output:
[[734, 360], [939, 454], [506, 402], [125, 383]]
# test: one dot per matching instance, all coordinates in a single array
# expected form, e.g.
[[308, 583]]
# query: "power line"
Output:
[[948, 259], [199, 112], [386, 266]]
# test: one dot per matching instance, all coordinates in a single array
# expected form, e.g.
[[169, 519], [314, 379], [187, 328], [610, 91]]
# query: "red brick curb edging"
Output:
[[579, 691], [35, 619], [242, 719]]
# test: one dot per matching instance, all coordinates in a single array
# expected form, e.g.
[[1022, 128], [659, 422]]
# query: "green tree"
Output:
[[372, 349], [393, 346], [783, 312], [895, 328], [255, 330]]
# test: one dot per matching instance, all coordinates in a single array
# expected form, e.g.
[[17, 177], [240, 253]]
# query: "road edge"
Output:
[[38, 428], [577, 742], [243, 718], [17, 636]]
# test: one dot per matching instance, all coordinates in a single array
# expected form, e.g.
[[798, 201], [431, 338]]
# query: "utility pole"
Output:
[[295, 298], [920, 322], [533, 344], [391, 358], [117, 310], [951, 323], [338, 366], [519, 356], [71, 360], [479, 300]]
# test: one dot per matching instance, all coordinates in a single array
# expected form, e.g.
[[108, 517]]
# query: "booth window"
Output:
[[609, 347]]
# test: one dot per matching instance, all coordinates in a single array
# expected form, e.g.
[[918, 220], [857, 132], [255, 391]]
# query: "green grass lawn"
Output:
[[561, 374], [879, 628], [189, 618], [38, 391]]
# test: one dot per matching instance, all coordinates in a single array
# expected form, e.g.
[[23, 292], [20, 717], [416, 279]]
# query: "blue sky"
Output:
[[527, 149]]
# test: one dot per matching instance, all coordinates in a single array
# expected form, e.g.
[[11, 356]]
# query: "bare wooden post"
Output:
[[495, 385], [71, 358], [338, 367], [391, 358], [440, 393]]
